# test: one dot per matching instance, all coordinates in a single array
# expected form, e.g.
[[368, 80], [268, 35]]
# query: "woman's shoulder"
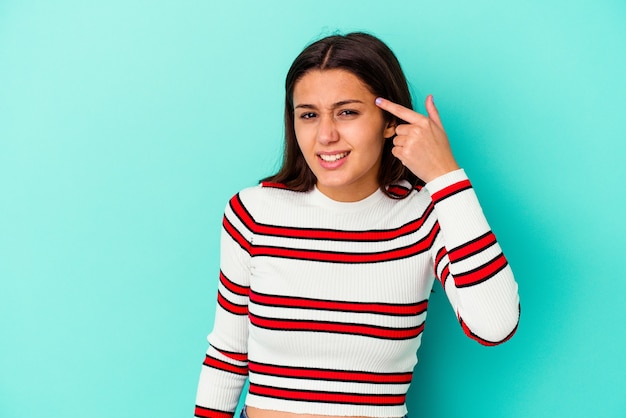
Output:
[[267, 190], [267, 203], [267, 194]]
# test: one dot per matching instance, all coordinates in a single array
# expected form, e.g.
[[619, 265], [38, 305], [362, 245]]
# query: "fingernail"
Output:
[[379, 100], [432, 99]]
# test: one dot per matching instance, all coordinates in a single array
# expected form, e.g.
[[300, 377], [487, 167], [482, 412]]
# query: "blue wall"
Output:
[[126, 125]]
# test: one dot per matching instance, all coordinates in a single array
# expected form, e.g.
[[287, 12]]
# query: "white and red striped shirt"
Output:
[[322, 303]]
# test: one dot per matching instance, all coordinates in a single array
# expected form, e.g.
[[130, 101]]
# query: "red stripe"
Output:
[[235, 235], [482, 273], [234, 287], [227, 367], [327, 397], [211, 413], [445, 271], [337, 328], [274, 185], [444, 275], [348, 258], [231, 307], [242, 213], [399, 191], [331, 375], [325, 234], [440, 255], [330, 305], [232, 355], [450, 190], [472, 247], [482, 341]]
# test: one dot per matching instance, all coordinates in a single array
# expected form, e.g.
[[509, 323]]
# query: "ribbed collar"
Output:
[[320, 199]]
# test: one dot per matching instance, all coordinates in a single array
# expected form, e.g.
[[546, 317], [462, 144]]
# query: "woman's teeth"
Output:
[[333, 157]]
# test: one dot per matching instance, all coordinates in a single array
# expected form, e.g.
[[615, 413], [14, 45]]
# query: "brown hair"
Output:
[[368, 58]]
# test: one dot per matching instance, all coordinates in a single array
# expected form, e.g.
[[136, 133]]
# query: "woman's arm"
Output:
[[470, 264], [468, 260], [225, 368]]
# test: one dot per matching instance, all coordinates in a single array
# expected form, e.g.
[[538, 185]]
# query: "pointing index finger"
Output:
[[397, 110]]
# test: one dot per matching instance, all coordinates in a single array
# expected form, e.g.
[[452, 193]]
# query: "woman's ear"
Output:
[[390, 128]]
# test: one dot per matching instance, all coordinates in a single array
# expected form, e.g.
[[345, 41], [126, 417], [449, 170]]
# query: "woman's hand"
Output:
[[421, 144]]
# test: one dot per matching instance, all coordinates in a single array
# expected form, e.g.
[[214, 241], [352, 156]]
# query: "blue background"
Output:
[[125, 126]]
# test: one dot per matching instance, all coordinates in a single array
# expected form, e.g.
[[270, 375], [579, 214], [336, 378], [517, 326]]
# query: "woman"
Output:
[[327, 266]]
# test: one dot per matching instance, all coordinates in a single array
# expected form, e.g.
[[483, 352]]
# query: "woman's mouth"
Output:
[[330, 158]]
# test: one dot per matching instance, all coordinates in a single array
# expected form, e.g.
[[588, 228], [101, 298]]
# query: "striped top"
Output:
[[322, 303]]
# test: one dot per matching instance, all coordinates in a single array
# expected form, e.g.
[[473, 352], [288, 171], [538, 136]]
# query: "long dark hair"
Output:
[[368, 58]]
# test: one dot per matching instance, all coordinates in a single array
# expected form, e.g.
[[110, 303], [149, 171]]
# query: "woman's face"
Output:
[[340, 131]]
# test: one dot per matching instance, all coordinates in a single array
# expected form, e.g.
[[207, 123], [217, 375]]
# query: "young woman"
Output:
[[327, 266]]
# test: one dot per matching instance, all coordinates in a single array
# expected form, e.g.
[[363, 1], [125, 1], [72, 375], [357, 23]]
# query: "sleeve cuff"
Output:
[[446, 180]]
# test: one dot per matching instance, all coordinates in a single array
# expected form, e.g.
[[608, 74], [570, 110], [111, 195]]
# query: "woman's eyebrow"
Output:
[[334, 106], [345, 102]]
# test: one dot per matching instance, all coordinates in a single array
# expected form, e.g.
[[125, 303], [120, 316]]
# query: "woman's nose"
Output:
[[327, 131]]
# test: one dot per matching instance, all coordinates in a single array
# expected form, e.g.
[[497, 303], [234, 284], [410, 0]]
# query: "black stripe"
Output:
[[485, 278], [325, 378], [313, 308], [460, 247], [423, 218], [453, 193], [392, 253], [331, 331], [373, 397]]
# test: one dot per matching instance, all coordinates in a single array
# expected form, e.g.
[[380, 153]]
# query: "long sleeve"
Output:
[[470, 264], [225, 367]]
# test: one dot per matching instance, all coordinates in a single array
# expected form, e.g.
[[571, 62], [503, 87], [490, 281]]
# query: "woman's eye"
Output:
[[307, 115], [348, 112]]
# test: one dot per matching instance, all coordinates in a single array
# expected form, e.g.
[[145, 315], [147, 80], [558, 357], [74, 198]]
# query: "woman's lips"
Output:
[[332, 160], [333, 157]]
